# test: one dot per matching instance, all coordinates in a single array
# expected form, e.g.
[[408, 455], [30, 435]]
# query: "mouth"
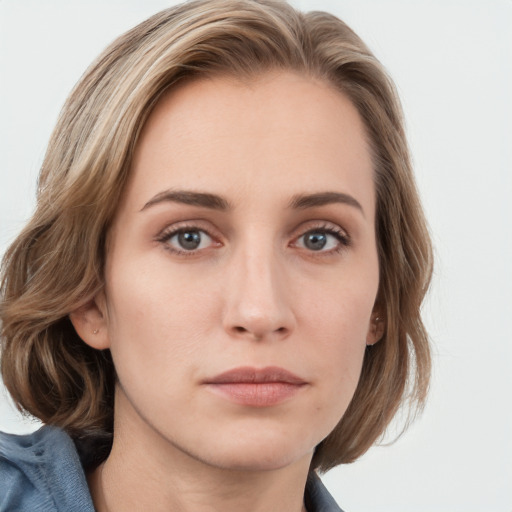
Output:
[[255, 387]]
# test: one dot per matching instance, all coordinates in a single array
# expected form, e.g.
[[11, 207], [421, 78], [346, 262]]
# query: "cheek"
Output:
[[341, 340], [337, 318], [334, 338], [157, 321], [341, 304]]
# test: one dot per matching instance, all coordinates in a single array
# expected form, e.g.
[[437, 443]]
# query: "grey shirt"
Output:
[[42, 472]]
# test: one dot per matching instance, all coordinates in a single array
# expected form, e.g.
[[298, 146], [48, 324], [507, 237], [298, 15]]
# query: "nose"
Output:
[[258, 302]]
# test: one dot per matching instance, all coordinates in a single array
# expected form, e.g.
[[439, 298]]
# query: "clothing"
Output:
[[42, 472]]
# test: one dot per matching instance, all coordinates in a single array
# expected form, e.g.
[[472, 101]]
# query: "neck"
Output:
[[145, 471]]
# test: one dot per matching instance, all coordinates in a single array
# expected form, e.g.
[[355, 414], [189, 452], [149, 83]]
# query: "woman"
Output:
[[218, 294]]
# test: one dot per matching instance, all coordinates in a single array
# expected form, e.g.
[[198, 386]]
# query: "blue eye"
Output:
[[189, 240], [322, 240]]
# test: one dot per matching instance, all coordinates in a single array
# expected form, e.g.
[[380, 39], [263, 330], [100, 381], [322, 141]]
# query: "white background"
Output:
[[452, 62]]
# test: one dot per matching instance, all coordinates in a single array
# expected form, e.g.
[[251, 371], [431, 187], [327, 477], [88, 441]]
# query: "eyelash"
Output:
[[328, 229], [168, 233], [341, 236]]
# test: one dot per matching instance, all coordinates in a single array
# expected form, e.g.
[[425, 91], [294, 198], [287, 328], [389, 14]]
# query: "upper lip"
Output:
[[247, 374]]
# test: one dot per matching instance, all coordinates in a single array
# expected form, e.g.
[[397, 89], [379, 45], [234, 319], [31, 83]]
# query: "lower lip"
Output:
[[261, 394]]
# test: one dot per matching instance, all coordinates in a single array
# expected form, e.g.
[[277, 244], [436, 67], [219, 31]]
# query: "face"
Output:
[[242, 271]]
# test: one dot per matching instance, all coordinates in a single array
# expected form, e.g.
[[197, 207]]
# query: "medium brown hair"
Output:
[[56, 263]]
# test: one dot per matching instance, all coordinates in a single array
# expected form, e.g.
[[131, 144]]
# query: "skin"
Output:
[[253, 294]]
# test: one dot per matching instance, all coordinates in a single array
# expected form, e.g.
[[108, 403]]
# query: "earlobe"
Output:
[[375, 329], [90, 324]]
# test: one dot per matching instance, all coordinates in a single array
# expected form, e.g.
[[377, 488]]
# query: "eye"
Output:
[[187, 240], [323, 240]]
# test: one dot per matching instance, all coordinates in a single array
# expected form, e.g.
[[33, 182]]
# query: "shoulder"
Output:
[[317, 498], [41, 472]]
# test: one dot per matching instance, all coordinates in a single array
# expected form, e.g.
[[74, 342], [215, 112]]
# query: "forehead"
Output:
[[280, 132]]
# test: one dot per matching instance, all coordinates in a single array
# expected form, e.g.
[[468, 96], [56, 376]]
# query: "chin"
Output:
[[254, 462], [267, 453]]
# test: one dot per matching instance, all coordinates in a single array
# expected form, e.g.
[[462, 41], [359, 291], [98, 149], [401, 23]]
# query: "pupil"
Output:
[[315, 241], [189, 239]]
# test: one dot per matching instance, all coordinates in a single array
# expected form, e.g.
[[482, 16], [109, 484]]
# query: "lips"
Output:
[[256, 387]]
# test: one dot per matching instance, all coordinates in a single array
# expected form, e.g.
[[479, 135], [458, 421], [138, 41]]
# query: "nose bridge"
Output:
[[258, 303]]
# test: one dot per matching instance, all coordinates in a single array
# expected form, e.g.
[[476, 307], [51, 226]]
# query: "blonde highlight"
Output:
[[56, 264]]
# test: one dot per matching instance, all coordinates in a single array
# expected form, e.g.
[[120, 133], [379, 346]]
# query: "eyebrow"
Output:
[[216, 202], [203, 199], [303, 201]]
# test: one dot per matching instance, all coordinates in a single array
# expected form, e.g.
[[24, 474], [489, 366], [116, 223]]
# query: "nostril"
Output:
[[238, 329]]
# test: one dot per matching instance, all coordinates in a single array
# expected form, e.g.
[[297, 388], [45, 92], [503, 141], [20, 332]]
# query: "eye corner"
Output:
[[325, 239], [187, 239]]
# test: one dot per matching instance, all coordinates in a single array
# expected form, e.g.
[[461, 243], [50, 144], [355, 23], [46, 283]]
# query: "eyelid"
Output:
[[328, 227], [168, 232], [165, 234]]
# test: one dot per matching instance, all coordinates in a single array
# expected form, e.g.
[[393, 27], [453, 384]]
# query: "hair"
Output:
[[56, 263]]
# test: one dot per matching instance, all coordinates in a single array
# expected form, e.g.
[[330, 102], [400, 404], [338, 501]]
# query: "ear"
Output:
[[376, 328], [90, 323]]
